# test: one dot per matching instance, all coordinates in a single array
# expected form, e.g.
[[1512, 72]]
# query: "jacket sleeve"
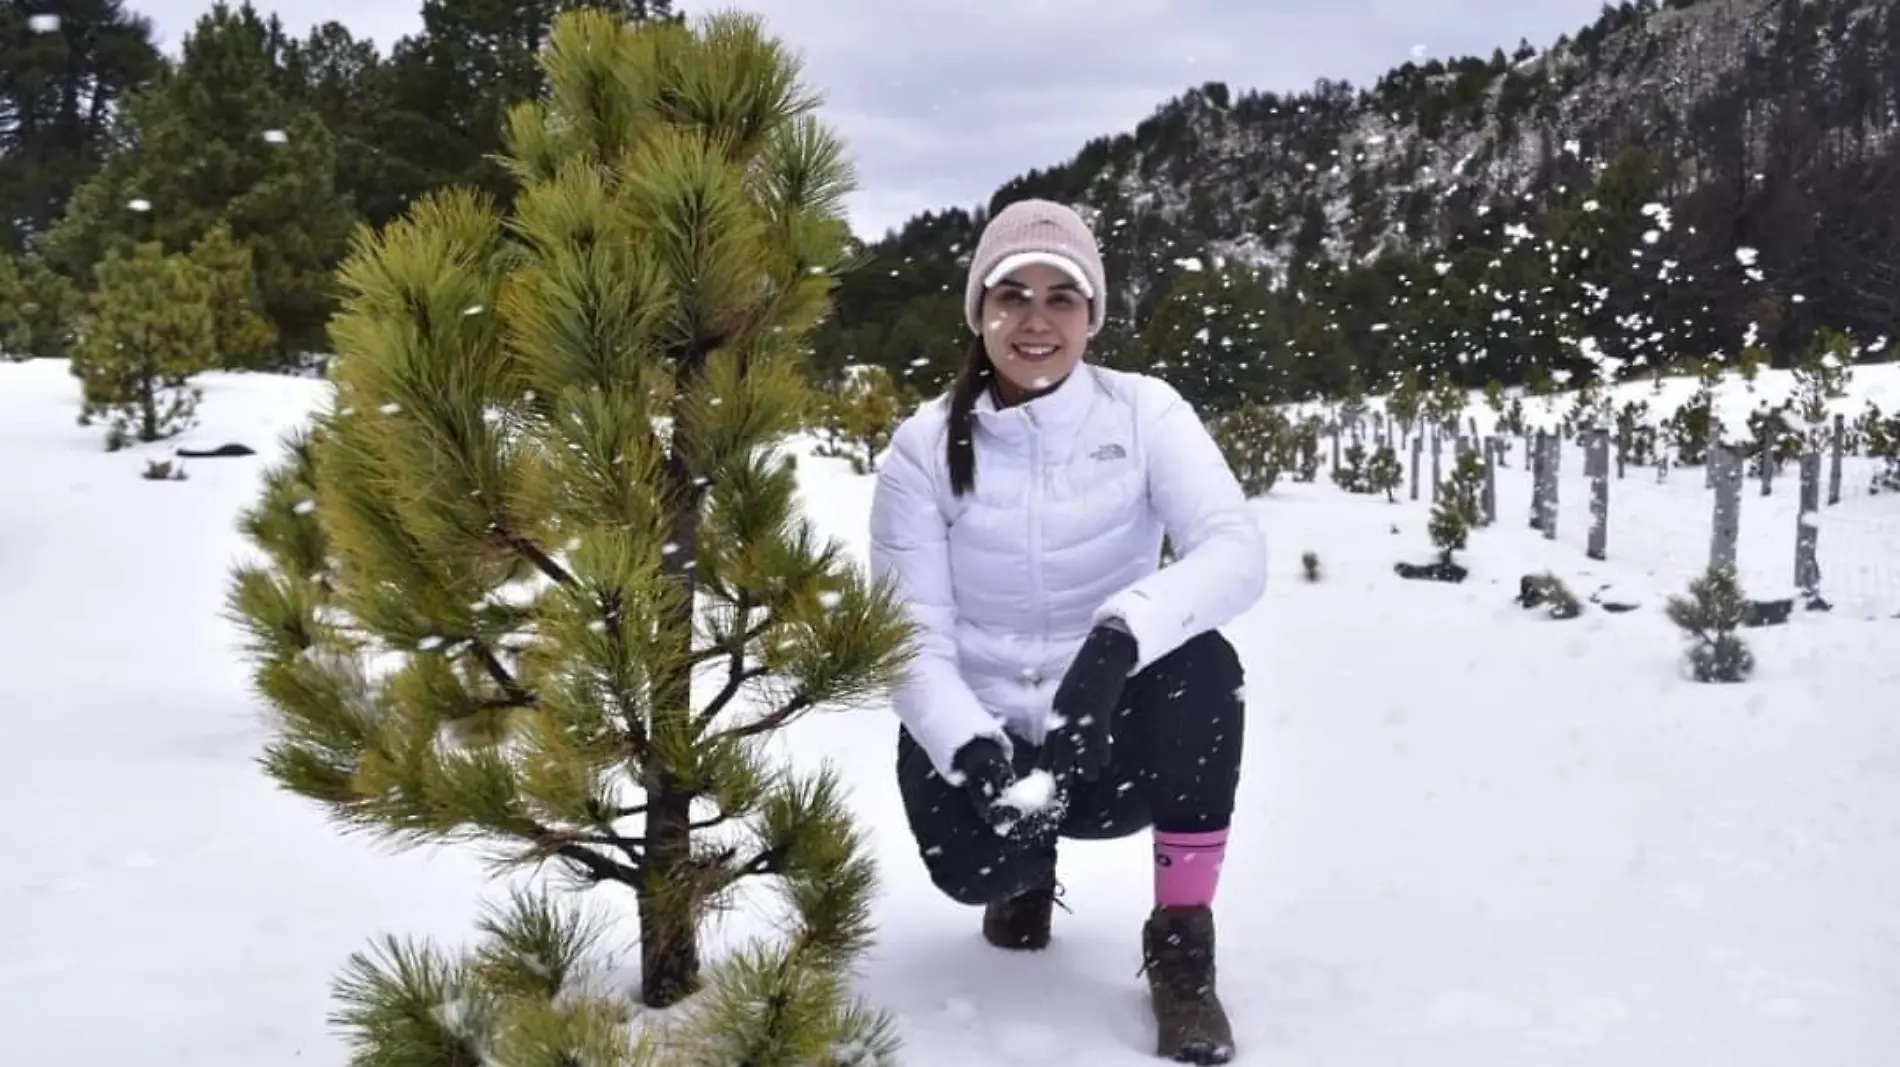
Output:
[[910, 545], [1220, 567]]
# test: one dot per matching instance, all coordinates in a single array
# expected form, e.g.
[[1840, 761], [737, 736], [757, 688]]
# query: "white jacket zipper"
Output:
[[1038, 600]]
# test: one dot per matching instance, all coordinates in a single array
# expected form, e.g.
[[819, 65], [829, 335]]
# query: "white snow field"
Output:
[[1468, 834]]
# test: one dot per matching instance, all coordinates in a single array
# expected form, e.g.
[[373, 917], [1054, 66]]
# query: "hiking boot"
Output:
[[1177, 949], [1021, 921]]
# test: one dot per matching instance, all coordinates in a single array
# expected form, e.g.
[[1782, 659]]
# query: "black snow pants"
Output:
[[1174, 766]]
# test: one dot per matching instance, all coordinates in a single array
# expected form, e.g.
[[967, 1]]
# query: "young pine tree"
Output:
[[857, 421], [1384, 473], [39, 310], [1710, 615], [1257, 441], [147, 334], [1460, 505], [241, 337], [537, 579]]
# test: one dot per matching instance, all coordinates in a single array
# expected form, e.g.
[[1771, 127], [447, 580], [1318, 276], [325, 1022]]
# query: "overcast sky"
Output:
[[941, 101]]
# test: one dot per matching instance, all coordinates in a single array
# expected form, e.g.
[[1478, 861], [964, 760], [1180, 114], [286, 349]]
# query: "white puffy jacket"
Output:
[[1074, 491]]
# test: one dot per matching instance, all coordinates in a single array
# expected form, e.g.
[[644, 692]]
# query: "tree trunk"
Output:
[[148, 399], [669, 931], [669, 904]]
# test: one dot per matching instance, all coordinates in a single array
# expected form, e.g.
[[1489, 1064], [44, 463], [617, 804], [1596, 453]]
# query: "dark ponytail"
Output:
[[977, 374]]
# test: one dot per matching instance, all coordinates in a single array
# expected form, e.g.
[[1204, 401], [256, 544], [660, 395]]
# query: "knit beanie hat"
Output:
[[1036, 231]]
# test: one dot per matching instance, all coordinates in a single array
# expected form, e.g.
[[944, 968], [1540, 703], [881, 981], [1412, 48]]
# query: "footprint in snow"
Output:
[[1032, 1042], [959, 1009]]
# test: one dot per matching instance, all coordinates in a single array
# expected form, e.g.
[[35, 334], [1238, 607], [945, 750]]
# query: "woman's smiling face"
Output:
[[1035, 328]]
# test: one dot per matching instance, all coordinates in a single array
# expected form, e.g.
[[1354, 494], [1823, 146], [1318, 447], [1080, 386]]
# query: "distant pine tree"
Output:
[[221, 141], [241, 338], [1458, 509], [145, 336], [1710, 615], [858, 418]]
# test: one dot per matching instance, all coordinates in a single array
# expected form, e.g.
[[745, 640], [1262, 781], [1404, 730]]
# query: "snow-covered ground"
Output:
[[1468, 834]]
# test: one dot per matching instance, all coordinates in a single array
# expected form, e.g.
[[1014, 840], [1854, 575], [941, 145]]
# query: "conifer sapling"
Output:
[[1710, 616], [537, 580], [1305, 447], [1384, 474], [857, 420], [1257, 441], [145, 336], [1350, 475], [1458, 509]]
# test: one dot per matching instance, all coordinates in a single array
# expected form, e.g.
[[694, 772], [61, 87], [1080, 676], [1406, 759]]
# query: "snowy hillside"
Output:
[[1469, 834]]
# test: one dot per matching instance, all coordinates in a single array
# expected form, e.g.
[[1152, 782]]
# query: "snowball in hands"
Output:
[[1032, 794]]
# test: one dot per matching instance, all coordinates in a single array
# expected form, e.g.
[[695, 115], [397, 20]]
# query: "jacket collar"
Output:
[[1059, 411]]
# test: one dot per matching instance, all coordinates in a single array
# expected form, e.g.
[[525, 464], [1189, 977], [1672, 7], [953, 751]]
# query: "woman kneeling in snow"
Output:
[[1064, 684]]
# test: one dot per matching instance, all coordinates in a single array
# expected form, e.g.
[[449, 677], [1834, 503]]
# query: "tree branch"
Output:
[[517, 696], [508, 703], [541, 560], [793, 707], [766, 862], [575, 848], [734, 679], [735, 644]]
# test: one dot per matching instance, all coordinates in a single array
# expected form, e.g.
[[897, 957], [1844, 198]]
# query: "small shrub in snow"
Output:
[[1820, 379], [1882, 434], [1548, 591], [145, 336], [1406, 402], [1306, 449], [1634, 434], [1772, 440], [1458, 510], [1513, 421], [1710, 616], [1350, 475], [1494, 400], [857, 420], [1751, 361], [1309, 565], [1258, 443], [1591, 408], [1695, 428], [161, 470], [39, 309], [1384, 474], [1444, 406]]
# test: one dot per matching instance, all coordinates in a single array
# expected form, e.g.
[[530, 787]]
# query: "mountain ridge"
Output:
[[1736, 117]]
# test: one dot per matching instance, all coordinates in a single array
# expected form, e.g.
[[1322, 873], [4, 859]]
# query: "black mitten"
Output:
[[991, 783], [1086, 702], [986, 774]]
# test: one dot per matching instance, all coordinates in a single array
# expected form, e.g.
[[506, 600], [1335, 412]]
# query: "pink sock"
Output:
[[1187, 867]]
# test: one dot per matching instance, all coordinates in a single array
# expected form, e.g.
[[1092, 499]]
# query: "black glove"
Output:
[[986, 774], [1086, 700], [987, 778]]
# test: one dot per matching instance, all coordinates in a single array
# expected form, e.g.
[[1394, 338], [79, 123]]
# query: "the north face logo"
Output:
[[1109, 452]]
